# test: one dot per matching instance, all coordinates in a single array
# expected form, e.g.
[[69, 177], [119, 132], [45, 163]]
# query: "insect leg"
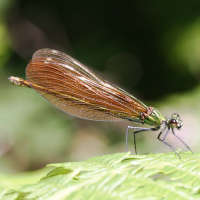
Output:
[[163, 140], [181, 140], [140, 129], [164, 136]]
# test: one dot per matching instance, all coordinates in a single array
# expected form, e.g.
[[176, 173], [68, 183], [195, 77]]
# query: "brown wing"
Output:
[[73, 88]]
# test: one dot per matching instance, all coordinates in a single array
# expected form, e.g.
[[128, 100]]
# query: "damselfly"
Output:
[[73, 88]]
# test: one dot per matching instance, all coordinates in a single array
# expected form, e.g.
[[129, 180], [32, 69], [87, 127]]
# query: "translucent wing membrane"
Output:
[[73, 88]]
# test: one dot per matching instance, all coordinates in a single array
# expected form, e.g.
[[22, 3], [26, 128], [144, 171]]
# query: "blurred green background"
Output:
[[149, 48]]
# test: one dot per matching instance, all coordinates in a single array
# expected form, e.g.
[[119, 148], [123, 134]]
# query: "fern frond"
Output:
[[119, 177]]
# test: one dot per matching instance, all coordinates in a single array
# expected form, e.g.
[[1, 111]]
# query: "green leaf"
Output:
[[119, 177]]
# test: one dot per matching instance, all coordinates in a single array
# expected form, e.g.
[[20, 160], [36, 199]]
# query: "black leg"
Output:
[[140, 129], [163, 140], [181, 140], [163, 137]]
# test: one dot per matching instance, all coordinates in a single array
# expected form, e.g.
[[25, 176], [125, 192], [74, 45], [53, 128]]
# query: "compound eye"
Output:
[[173, 123], [176, 116]]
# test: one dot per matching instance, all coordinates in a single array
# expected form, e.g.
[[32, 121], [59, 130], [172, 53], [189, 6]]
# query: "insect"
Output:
[[73, 88]]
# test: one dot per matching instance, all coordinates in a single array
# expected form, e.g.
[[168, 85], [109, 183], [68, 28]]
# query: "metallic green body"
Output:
[[155, 119]]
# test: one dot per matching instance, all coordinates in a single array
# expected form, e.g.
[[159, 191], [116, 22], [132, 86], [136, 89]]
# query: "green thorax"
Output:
[[155, 119]]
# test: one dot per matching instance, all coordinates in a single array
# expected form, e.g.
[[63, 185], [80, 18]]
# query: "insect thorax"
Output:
[[155, 118]]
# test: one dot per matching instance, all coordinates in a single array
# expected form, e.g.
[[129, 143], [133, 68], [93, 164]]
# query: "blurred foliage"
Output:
[[116, 176], [149, 48], [185, 51]]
